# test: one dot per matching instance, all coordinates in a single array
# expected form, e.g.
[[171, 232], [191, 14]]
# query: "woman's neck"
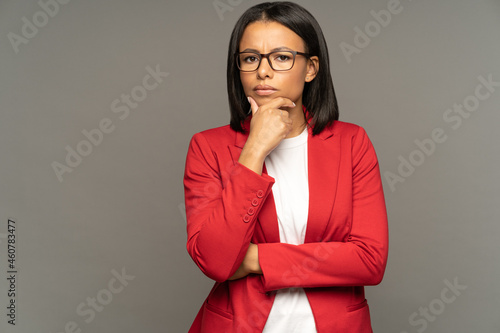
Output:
[[298, 120]]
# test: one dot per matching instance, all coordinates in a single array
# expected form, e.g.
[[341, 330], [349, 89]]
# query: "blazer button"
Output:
[[251, 210], [255, 202], [246, 218], [260, 193]]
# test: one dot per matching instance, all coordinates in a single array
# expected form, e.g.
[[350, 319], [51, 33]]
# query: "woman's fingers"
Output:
[[276, 103], [270, 123], [253, 105], [279, 103]]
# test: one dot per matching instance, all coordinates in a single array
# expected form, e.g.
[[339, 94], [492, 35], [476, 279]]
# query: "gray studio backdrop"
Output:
[[99, 100]]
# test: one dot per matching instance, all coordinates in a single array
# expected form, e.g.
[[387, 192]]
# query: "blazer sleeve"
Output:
[[360, 260], [223, 199]]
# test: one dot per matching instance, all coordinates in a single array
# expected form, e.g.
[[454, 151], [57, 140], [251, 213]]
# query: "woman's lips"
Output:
[[264, 92], [264, 89]]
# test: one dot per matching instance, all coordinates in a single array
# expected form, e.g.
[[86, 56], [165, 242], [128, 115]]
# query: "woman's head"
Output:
[[261, 29]]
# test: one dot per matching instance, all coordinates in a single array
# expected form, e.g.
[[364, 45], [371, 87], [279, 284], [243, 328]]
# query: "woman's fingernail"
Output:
[[294, 104], [248, 98]]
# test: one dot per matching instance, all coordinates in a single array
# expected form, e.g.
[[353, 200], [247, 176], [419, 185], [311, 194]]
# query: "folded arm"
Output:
[[222, 204], [360, 259]]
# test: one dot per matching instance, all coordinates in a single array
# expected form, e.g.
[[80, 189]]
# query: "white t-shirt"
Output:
[[287, 164]]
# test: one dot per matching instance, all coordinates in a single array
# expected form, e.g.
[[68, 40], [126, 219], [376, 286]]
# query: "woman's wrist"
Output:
[[252, 158], [253, 265]]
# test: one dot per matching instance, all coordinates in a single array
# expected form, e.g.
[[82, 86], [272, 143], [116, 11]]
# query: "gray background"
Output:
[[121, 208]]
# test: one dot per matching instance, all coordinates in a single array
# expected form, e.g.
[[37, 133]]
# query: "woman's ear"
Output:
[[312, 68]]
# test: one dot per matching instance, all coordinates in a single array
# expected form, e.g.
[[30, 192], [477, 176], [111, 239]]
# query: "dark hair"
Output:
[[318, 96]]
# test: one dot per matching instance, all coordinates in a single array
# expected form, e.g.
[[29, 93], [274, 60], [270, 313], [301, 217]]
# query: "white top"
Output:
[[287, 164]]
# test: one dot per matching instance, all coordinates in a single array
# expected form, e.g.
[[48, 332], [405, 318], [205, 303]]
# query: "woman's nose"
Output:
[[265, 69]]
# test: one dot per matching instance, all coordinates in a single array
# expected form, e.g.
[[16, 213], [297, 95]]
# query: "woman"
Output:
[[285, 207]]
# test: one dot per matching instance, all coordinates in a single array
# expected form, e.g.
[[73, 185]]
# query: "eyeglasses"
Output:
[[279, 60]]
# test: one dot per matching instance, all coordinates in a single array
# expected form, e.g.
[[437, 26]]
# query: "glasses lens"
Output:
[[248, 61], [281, 61]]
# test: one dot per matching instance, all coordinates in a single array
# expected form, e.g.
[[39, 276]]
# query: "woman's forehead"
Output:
[[266, 36]]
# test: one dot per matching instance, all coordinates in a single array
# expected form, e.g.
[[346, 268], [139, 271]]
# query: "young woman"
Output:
[[285, 207]]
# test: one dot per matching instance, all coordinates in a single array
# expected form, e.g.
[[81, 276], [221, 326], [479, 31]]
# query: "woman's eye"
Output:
[[250, 59], [282, 58]]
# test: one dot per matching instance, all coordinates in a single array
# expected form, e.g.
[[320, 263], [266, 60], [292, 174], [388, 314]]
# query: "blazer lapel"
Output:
[[323, 153]]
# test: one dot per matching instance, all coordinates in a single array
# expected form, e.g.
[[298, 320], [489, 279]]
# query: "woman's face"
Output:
[[264, 37]]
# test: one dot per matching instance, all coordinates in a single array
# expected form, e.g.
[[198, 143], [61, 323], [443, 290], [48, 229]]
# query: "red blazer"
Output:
[[346, 242]]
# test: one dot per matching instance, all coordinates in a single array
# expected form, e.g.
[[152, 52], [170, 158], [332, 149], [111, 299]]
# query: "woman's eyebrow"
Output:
[[281, 48]]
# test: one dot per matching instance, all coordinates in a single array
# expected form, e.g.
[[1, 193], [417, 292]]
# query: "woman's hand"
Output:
[[268, 127], [250, 263], [270, 124]]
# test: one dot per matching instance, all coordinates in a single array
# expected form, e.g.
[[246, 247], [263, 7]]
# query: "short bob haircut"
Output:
[[318, 96]]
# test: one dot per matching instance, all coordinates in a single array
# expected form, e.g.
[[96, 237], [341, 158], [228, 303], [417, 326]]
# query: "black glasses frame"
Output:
[[266, 55]]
